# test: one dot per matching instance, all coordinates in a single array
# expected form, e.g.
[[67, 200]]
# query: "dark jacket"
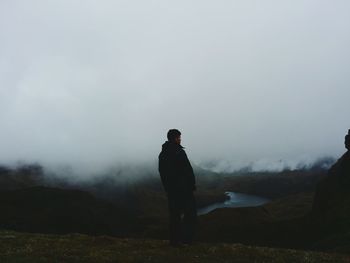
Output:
[[175, 169]]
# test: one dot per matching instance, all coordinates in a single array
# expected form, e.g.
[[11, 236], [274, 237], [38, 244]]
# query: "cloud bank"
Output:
[[95, 83]]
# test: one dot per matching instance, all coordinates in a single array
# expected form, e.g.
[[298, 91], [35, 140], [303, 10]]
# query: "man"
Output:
[[178, 179], [341, 168], [334, 188]]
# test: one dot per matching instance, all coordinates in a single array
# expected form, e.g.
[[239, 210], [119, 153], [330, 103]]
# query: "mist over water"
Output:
[[94, 86]]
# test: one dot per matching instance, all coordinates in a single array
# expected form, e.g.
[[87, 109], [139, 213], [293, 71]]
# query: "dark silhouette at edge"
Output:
[[336, 184], [331, 207]]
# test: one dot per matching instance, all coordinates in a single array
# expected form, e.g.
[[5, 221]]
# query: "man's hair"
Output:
[[172, 134]]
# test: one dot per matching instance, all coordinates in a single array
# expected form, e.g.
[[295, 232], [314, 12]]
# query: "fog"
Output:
[[94, 84]]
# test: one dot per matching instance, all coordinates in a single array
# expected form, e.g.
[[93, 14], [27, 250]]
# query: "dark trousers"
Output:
[[182, 217]]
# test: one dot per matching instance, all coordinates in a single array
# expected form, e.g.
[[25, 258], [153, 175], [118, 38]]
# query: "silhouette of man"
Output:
[[347, 141], [335, 185], [341, 167], [178, 180]]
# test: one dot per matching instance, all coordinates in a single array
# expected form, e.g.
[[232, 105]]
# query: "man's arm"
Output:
[[162, 172], [188, 170]]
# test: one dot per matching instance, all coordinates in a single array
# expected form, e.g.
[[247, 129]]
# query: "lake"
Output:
[[235, 200]]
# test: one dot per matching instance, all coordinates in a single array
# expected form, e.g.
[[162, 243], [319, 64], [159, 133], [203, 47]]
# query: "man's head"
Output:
[[174, 135], [347, 141]]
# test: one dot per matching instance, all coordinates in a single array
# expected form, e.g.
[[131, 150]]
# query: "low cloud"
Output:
[[93, 85]]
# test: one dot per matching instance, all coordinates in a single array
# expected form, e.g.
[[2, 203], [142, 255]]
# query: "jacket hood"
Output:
[[171, 146]]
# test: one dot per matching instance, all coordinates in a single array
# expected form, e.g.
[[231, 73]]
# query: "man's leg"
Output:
[[174, 219], [190, 218]]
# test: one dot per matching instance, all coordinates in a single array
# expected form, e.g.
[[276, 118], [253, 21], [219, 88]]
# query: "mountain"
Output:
[[53, 210]]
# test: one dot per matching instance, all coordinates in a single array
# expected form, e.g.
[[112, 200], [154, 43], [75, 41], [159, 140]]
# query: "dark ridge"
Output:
[[53, 210]]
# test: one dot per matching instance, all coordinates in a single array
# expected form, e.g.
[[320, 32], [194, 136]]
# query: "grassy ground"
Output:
[[26, 247]]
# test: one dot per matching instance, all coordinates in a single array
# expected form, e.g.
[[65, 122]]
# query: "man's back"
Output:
[[175, 169]]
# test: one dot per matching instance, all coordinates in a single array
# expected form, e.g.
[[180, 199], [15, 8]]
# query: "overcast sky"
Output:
[[93, 83]]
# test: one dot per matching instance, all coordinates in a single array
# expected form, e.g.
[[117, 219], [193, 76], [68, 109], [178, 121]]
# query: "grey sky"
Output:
[[93, 83]]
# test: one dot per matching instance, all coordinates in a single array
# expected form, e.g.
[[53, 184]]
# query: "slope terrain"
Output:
[[40, 248]]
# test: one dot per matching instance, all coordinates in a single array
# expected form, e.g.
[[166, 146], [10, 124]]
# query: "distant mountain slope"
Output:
[[25, 247], [54, 210]]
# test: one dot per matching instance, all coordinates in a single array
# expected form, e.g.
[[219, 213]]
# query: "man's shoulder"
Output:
[[172, 152], [181, 153]]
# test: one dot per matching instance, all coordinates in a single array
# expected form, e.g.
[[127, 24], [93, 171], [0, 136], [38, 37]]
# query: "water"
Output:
[[236, 200]]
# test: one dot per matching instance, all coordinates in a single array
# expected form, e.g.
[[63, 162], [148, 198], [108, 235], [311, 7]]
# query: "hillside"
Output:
[[60, 211], [40, 248], [138, 209]]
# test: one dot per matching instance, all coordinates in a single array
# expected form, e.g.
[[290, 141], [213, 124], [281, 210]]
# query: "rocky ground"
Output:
[[28, 247]]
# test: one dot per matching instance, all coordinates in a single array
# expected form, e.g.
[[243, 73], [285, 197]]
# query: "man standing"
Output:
[[178, 179]]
